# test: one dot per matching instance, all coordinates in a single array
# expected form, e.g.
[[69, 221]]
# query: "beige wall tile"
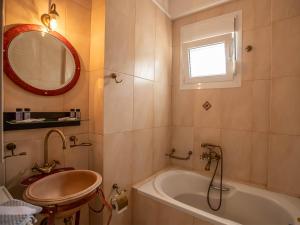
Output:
[[145, 39], [285, 108], [120, 38], [237, 154], [161, 146], [23, 135], [142, 155], [286, 47], [126, 7], [162, 105], [78, 28], [16, 97], [96, 153], [237, 107], [78, 96], [285, 9], [82, 129], [284, 164], [25, 12], [182, 107], [256, 64], [118, 104], [207, 118], [117, 163], [96, 101], [84, 3], [163, 48], [176, 66], [143, 104], [259, 158], [261, 105], [204, 135], [256, 13], [97, 48]]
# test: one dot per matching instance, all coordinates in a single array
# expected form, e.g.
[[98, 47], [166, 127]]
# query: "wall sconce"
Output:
[[49, 19]]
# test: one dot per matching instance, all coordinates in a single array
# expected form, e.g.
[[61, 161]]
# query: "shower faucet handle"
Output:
[[204, 155], [211, 155]]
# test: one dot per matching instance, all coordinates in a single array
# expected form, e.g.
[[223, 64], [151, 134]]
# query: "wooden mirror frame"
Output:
[[13, 32]]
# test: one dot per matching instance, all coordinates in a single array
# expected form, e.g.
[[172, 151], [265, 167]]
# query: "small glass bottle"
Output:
[[27, 114], [78, 114], [72, 113], [19, 114]]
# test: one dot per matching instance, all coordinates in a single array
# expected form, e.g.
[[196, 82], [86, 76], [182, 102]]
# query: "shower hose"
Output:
[[219, 162]]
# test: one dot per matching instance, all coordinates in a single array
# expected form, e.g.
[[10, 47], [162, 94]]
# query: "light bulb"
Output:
[[53, 23]]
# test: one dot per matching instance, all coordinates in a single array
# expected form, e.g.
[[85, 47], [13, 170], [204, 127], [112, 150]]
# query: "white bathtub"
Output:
[[243, 204]]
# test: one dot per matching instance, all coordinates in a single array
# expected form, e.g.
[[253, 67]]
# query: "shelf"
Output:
[[51, 120]]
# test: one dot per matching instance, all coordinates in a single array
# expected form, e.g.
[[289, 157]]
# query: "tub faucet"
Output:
[[210, 155], [48, 167]]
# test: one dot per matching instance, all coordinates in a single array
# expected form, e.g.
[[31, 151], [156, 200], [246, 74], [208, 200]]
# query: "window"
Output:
[[209, 60]]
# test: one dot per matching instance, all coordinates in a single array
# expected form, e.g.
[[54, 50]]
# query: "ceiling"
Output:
[[178, 8]]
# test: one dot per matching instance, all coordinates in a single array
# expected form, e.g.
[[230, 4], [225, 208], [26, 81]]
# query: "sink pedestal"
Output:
[[65, 211]]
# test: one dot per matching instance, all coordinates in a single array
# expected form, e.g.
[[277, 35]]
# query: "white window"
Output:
[[207, 60], [209, 56]]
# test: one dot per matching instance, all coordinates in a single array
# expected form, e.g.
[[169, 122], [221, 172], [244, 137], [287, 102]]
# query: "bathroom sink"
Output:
[[63, 188]]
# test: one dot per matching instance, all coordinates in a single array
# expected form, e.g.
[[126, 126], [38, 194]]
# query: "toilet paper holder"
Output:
[[117, 189], [119, 200]]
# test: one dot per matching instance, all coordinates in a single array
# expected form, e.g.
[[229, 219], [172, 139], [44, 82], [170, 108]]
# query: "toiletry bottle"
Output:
[[72, 113], [26, 113], [19, 114], [78, 114]]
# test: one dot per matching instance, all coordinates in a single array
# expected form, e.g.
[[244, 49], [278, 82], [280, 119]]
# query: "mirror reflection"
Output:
[[41, 60]]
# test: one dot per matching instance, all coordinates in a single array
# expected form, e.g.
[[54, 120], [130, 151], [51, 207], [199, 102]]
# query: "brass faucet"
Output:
[[210, 155], [48, 167]]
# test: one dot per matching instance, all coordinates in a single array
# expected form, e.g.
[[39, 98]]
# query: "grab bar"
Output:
[[171, 155]]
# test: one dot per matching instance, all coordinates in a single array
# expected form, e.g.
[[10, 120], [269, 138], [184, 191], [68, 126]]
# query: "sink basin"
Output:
[[62, 188]]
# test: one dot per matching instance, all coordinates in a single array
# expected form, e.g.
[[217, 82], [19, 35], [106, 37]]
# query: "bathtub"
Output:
[[242, 204]]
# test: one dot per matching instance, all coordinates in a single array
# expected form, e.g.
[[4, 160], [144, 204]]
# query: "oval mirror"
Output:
[[44, 63]]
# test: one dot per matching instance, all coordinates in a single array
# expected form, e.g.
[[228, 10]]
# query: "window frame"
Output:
[[228, 41], [211, 27]]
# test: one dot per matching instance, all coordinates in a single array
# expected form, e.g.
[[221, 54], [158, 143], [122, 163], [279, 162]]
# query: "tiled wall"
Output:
[[137, 111], [75, 24], [258, 125]]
